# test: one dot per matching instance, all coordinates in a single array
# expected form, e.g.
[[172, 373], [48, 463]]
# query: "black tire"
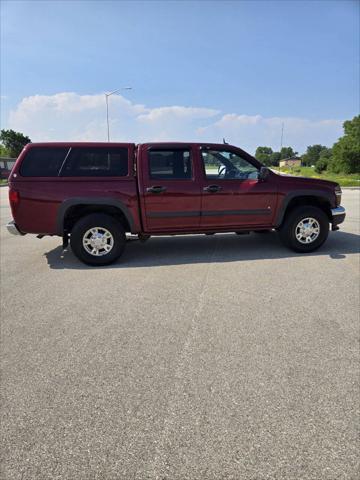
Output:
[[288, 229], [100, 220]]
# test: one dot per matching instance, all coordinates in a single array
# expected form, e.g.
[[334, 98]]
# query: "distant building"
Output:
[[290, 162], [6, 165], [7, 162]]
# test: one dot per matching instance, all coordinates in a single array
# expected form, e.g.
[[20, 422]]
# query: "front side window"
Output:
[[96, 162], [227, 165], [170, 164], [43, 161]]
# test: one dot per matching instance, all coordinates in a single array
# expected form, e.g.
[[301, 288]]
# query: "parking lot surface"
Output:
[[194, 357]]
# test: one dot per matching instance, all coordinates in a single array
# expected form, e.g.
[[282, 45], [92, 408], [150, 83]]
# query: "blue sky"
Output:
[[199, 70]]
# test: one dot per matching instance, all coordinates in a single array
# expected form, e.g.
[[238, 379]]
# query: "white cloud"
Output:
[[252, 131], [166, 113], [69, 116]]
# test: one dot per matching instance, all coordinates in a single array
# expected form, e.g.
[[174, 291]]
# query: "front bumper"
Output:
[[338, 216], [13, 229]]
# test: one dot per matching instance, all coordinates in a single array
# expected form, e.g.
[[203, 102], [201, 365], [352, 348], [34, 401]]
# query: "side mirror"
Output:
[[263, 174]]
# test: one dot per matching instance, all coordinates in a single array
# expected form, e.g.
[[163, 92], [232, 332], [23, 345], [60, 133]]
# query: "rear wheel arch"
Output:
[[71, 210]]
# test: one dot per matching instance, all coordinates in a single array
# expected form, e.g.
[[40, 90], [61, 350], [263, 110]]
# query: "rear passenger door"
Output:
[[171, 195]]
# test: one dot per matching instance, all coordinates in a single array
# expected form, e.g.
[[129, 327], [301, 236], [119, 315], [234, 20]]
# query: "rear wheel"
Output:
[[305, 229], [98, 239]]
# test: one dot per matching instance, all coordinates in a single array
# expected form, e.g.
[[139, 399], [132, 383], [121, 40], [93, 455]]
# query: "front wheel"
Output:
[[98, 239], [305, 229]]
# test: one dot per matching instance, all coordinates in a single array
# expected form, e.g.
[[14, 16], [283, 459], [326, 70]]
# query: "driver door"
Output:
[[232, 194]]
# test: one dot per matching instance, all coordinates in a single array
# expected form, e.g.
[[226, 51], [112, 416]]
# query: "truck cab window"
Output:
[[170, 164], [227, 165]]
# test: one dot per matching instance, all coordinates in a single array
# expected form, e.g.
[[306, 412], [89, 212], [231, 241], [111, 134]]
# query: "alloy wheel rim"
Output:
[[98, 241], [307, 230]]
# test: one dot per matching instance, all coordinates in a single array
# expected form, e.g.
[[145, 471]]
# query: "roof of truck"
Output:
[[116, 144]]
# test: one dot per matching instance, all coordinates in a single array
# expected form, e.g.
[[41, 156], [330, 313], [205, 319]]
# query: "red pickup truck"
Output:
[[94, 193]]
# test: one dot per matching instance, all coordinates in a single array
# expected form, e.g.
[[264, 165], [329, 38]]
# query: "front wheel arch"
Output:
[[294, 201]]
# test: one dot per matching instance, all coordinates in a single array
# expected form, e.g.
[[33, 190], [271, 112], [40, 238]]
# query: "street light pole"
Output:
[[107, 95]]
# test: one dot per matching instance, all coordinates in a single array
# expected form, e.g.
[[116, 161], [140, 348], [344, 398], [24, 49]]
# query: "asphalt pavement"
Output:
[[195, 357]]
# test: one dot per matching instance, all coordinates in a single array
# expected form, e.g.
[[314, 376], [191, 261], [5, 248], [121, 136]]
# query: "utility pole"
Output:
[[282, 135], [107, 95]]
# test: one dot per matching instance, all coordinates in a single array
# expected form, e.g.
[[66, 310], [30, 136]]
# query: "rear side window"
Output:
[[170, 164], [43, 162], [96, 162]]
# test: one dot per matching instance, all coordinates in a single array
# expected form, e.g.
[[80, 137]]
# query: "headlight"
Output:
[[338, 195]]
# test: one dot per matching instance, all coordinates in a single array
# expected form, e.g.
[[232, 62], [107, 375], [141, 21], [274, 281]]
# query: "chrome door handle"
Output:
[[156, 189], [212, 188]]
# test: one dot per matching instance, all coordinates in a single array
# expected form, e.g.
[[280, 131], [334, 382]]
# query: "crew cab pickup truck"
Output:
[[94, 193]]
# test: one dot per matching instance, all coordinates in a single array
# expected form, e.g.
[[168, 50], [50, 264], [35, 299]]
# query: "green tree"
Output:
[[287, 152], [266, 155], [13, 142], [263, 154], [312, 155], [324, 160], [346, 151], [275, 158], [3, 151]]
